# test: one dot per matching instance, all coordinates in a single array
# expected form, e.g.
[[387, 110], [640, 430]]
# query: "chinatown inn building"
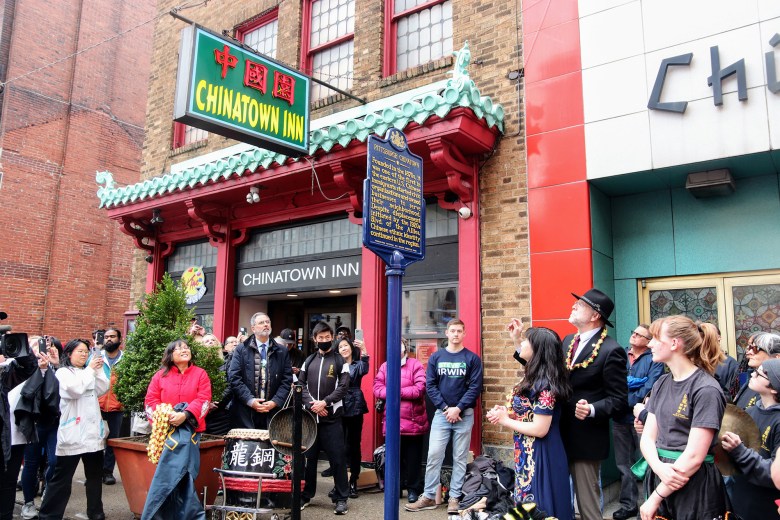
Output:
[[567, 144]]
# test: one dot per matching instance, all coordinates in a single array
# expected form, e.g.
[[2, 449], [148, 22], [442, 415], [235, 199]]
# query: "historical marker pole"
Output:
[[394, 229]]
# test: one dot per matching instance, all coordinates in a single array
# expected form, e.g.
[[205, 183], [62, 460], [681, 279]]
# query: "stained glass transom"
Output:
[[756, 309], [334, 66], [699, 304], [201, 254], [423, 36], [263, 38], [309, 239]]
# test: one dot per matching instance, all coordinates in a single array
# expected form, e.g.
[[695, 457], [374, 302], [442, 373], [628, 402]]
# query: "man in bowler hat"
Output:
[[597, 373]]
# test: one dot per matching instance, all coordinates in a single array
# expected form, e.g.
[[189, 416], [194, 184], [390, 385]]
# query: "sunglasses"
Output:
[[754, 348]]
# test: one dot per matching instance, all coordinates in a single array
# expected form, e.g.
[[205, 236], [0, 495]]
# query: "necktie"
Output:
[[262, 352]]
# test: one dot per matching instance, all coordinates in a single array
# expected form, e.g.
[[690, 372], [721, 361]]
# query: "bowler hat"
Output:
[[599, 302]]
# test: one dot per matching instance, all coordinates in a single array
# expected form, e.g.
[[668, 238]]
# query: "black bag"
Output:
[[379, 466], [379, 405]]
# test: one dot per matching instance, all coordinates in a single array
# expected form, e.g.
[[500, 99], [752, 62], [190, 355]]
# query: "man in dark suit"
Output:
[[597, 373], [260, 377]]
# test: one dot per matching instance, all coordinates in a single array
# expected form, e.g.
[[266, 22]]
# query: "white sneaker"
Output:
[[28, 511]]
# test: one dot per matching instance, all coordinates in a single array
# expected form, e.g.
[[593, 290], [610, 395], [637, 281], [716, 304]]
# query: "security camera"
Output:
[[464, 213]]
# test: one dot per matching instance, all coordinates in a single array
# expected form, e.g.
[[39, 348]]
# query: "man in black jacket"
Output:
[[325, 379], [260, 377], [597, 365]]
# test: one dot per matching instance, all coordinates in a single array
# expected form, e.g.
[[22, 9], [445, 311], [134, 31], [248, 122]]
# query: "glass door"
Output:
[[739, 304]]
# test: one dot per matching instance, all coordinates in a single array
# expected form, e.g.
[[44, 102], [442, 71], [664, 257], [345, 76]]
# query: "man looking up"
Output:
[[110, 407], [453, 382], [260, 377], [642, 374], [598, 375]]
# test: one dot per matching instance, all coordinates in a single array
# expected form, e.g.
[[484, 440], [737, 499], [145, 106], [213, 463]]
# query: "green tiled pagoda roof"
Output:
[[357, 123]]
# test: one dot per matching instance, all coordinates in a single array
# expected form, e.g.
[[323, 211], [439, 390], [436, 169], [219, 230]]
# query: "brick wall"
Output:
[[66, 267], [495, 52]]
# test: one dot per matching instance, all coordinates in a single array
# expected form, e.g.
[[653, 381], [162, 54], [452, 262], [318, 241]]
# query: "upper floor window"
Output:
[[327, 50], [417, 31], [260, 33], [186, 134]]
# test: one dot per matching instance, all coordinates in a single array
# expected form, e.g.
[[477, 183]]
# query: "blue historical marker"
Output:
[[394, 229]]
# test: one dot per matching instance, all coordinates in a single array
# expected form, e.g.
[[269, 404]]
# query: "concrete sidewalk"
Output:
[[368, 506]]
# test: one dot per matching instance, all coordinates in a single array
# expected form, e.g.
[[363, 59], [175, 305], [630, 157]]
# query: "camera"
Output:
[[12, 345]]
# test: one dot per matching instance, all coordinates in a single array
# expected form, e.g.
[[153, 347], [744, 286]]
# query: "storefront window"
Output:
[[201, 254], [425, 312]]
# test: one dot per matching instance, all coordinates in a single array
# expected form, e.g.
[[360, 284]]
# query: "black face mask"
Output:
[[110, 347], [324, 345]]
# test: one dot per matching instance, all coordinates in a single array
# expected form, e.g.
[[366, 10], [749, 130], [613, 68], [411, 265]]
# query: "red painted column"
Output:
[[225, 303], [156, 269], [373, 321], [469, 297]]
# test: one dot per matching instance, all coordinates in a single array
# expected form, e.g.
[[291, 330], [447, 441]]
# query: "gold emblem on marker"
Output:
[[397, 138]]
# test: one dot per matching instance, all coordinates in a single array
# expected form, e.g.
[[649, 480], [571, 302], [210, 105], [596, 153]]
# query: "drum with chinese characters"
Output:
[[250, 450]]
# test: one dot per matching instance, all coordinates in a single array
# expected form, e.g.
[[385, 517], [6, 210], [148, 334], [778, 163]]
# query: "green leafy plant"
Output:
[[163, 317]]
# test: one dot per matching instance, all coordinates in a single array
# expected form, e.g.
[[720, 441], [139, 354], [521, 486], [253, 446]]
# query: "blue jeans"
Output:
[[441, 431], [33, 452]]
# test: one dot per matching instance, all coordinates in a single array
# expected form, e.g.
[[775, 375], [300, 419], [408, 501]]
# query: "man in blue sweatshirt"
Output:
[[453, 381]]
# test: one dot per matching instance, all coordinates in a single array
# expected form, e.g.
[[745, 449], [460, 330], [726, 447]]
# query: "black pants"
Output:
[[114, 420], [411, 462], [8, 481], [330, 438], [353, 430], [58, 490]]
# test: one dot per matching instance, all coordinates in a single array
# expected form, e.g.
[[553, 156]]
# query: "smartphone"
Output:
[[359, 334], [242, 330], [99, 338]]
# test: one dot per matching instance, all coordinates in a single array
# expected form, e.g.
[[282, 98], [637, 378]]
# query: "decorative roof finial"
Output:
[[460, 73]]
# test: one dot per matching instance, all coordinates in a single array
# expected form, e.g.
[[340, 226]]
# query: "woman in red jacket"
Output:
[[188, 389], [414, 419]]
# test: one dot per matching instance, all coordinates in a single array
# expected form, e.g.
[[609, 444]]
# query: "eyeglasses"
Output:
[[635, 333], [759, 374]]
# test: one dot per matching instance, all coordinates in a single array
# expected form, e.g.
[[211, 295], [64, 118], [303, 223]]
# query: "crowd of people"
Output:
[[660, 404]]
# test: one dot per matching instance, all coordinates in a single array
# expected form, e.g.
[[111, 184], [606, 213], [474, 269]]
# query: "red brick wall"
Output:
[[66, 267]]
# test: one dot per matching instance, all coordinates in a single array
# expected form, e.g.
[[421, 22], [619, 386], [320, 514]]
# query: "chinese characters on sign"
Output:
[[251, 456], [234, 92]]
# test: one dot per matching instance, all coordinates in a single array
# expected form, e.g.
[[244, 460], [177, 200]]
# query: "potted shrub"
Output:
[[163, 317]]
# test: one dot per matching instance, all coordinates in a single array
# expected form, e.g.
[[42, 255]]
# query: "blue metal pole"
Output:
[[394, 272]]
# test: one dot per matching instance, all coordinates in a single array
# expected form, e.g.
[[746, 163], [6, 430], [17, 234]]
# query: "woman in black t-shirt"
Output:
[[685, 412]]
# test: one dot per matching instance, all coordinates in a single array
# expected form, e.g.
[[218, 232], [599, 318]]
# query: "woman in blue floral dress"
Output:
[[541, 467]]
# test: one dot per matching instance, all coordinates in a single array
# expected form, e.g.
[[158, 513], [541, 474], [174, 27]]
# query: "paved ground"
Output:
[[369, 506]]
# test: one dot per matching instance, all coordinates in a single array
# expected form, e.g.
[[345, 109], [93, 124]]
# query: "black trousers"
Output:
[[8, 481], [58, 490], [411, 462], [330, 438], [114, 420], [353, 430]]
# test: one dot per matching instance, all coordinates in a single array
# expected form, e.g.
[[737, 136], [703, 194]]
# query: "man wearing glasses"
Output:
[[642, 374], [260, 377]]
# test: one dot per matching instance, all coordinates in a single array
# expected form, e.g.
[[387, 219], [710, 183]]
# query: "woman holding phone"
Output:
[[82, 432], [354, 406]]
